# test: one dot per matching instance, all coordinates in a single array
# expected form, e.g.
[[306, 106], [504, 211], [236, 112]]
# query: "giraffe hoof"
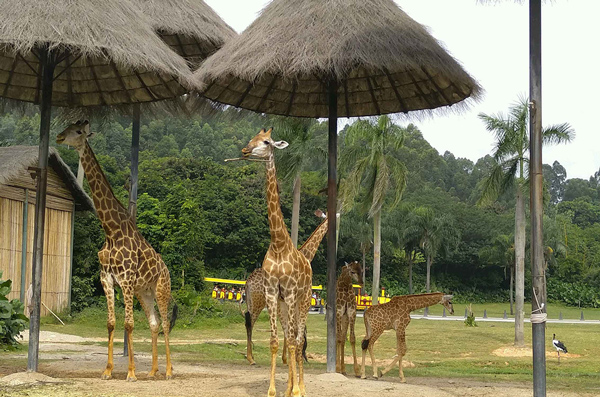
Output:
[[169, 377], [363, 377], [402, 380], [379, 374], [131, 379], [106, 376]]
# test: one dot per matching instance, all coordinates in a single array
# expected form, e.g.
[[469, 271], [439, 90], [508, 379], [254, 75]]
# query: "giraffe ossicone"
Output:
[[126, 258]]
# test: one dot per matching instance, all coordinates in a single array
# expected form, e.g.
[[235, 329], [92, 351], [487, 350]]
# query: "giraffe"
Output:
[[345, 311], [396, 314], [125, 258], [287, 273], [255, 294]]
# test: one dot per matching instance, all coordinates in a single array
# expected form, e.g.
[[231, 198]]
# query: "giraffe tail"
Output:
[[304, 346], [173, 316], [365, 344]]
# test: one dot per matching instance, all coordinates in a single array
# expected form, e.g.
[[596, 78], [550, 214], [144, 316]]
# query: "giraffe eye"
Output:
[[79, 132], [267, 142]]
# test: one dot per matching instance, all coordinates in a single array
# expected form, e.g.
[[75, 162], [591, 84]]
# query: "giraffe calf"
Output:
[[395, 314]]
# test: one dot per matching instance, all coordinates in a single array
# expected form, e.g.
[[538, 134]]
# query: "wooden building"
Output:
[[17, 208]]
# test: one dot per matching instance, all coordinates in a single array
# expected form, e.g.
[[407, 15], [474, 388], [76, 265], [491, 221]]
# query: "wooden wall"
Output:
[[57, 239]]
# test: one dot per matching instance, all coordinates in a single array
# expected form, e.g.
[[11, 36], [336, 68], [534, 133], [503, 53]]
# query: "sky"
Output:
[[491, 42]]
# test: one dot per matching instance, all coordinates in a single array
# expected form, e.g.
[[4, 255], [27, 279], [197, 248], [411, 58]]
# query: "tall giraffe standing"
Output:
[[395, 314], [287, 273], [345, 311], [126, 258], [255, 293]]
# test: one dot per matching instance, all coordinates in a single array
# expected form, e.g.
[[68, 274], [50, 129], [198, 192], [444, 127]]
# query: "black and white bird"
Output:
[[559, 346]]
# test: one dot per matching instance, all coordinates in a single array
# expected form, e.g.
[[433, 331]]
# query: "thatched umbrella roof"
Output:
[[15, 159], [384, 61], [190, 27], [110, 53]]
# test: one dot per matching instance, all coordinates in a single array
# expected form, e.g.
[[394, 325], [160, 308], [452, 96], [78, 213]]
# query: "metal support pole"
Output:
[[24, 247], [133, 183], [332, 219], [48, 63], [538, 303]]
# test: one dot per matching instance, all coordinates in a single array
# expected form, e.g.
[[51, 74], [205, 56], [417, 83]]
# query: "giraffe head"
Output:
[[355, 270], [262, 145], [447, 303], [75, 135]]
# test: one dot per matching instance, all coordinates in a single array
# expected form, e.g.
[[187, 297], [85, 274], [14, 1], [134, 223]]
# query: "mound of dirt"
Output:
[[27, 378], [512, 351]]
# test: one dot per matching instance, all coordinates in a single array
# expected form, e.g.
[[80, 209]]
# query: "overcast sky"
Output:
[[491, 42]]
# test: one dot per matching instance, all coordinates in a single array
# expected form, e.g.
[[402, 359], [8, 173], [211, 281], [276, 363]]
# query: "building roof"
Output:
[[15, 159]]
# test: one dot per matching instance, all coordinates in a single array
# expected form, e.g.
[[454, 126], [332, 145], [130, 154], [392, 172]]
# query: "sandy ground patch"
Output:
[[78, 367], [512, 351]]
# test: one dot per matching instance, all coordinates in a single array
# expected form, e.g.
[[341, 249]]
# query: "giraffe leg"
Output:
[[303, 315], [372, 341], [400, 350], [339, 338], [128, 299], [282, 314], [351, 321], [271, 297], [163, 297], [107, 285], [292, 337], [256, 304], [146, 299], [343, 343]]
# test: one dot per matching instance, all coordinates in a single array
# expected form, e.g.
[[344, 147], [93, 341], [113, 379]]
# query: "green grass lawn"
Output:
[[445, 349]]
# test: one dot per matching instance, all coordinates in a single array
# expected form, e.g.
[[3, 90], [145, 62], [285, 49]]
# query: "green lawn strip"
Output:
[[446, 349]]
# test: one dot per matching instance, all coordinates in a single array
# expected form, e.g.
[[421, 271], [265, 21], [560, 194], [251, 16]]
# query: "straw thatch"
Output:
[[15, 159], [190, 27], [384, 61], [108, 50]]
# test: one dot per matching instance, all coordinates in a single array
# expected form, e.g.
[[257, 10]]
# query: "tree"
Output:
[[512, 145], [373, 171], [433, 232], [304, 151], [501, 252]]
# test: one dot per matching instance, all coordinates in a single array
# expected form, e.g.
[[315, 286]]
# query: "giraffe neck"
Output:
[[310, 246], [110, 210], [345, 280], [414, 302], [280, 238]]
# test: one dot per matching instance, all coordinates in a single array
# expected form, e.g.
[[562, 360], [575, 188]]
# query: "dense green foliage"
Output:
[[209, 218], [12, 319]]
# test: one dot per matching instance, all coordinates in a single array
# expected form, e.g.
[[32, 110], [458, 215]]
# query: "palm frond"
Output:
[[558, 133]]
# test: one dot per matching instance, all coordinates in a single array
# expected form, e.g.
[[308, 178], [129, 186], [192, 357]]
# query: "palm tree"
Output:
[[371, 172], [433, 232], [303, 151], [511, 161], [502, 252], [360, 233]]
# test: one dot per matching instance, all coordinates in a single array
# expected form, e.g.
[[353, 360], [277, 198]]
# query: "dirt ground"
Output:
[[75, 370]]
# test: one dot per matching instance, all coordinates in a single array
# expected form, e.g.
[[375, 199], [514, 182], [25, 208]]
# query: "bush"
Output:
[[12, 319], [572, 294]]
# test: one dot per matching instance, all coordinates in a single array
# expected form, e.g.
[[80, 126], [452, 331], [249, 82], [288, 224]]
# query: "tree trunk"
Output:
[[364, 263], [512, 287], [376, 255], [296, 210], [519, 267], [427, 282], [410, 265]]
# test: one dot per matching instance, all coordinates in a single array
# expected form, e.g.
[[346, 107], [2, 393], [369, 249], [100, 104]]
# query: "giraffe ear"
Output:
[[448, 297]]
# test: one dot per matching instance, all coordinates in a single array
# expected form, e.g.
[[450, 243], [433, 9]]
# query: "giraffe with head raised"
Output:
[[287, 273], [255, 293], [126, 258], [395, 314], [345, 311]]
